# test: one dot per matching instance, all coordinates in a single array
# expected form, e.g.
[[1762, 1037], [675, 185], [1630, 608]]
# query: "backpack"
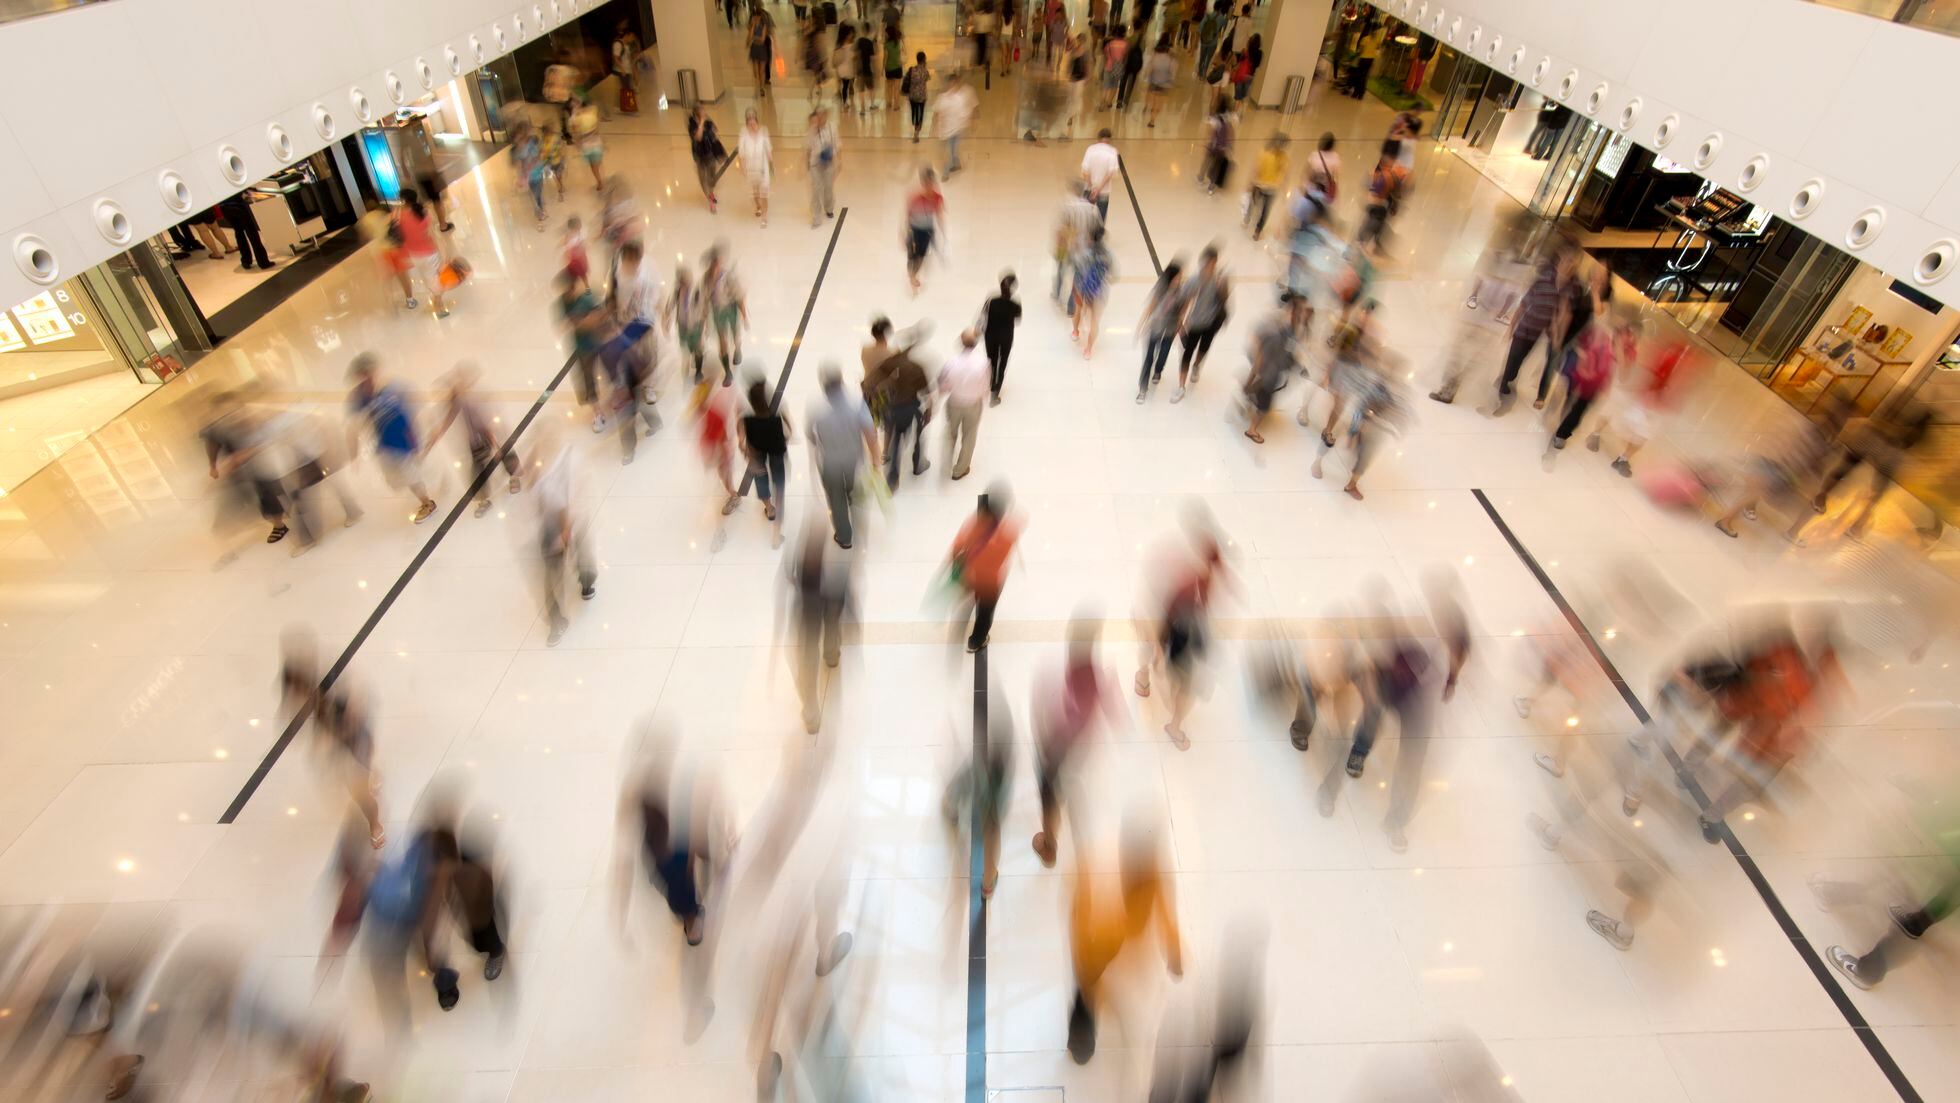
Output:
[[400, 887]]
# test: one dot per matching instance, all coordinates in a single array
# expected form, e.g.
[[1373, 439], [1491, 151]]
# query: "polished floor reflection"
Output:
[[138, 662]]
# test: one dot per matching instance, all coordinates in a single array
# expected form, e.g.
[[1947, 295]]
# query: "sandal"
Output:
[[1254, 437]]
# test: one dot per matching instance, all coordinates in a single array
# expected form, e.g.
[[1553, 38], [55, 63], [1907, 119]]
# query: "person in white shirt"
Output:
[[561, 532], [964, 386], [954, 112], [1100, 164], [636, 303], [758, 162]]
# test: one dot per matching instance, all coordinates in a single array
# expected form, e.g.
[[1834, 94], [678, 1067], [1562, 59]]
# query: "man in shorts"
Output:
[[384, 408]]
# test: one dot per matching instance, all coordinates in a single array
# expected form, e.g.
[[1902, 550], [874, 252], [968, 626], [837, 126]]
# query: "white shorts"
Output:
[[428, 269]]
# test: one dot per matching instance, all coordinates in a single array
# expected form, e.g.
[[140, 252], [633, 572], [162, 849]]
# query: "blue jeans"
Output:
[[766, 468], [952, 154], [1156, 351]]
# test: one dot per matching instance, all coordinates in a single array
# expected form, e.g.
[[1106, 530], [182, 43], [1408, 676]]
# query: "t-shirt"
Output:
[[1162, 68], [1540, 303], [838, 425], [1003, 314], [1270, 171], [1113, 52], [954, 111], [764, 432], [1207, 295], [387, 413], [579, 313], [639, 295], [982, 548], [415, 233], [966, 377], [922, 210], [1100, 163]]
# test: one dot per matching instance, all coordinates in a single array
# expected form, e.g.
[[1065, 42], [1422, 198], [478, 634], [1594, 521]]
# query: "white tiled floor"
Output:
[[137, 684]]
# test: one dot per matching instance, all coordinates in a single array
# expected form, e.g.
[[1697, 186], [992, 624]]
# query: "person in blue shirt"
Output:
[[384, 408]]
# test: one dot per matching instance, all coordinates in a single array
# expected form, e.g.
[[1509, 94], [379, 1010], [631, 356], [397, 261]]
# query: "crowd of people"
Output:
[[1731, 715]]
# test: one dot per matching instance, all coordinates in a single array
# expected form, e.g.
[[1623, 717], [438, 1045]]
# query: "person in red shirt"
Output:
[[925, 218], [1647, 401], [1069, 703], [1182, 631], [978, 559]]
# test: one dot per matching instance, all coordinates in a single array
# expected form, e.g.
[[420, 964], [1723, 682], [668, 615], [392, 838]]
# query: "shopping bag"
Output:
[[453, 273]]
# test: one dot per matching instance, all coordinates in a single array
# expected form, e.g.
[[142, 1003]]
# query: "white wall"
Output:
[[104, 108], [1840, 123]]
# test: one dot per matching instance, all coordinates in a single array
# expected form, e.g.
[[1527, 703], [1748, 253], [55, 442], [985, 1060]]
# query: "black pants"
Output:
[[1197, 342], [918, 113], [1358, 77], [902, 418], [1156, 350], [983, 620], [251, 250], [181, 236], [1521, 343], [980, 54], [1575, 410], [1124, 87], [998, 349], [1374, 226], [1873, 964]]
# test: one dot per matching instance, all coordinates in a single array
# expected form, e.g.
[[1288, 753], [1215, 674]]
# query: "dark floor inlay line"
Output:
[[353, 648], [1852, 1016], [976, 904], [1123, 166]]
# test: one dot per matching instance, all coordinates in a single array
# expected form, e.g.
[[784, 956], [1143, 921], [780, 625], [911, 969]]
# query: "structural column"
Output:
[[1292, 38], [684, 32]]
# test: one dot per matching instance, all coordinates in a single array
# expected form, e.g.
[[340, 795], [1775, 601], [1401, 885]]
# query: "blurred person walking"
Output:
[[1534, 321], [686, 315], [1180, 631], [824, 157], [841, 436], [562, 538], [1070, 702], [1000, 315], [1101, 165], [844, 62], [1102, 923], [1268, 180], [1591, 361], [383, 409], [952, 113], [1094, 271], [1646, 402], [925, 220], [591, 329], [758, 157], [412, 249], [917, 87], [963, 388], [1163, 311], [704, 143], [1159, 70], [1275, 356], [978, 560], [900, 388], [1207, 305], [1072, 226], [1217, 164], [1385, 183], [459, 402], [820, 592], [728, 305], [764, 435]]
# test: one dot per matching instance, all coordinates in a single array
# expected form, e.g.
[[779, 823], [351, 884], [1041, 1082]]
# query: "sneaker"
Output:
[[1140, 397], [922, 467], [411, 305], [1442, 397], [1542, 829], [1847, 964], [493, 968], [1710, 830], [1623, 467], [1903, 918], [442, 314], [994, 400], [1548, 764], [516, 484], [1558, 443], [1523, 705], [427, 511], [1592, 443], [1354, 764], [1610, 929], [352, 519], [1397, 841], [1325, 801], [1177, 395], [556, 633], [1300, 734], [587, 591]]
